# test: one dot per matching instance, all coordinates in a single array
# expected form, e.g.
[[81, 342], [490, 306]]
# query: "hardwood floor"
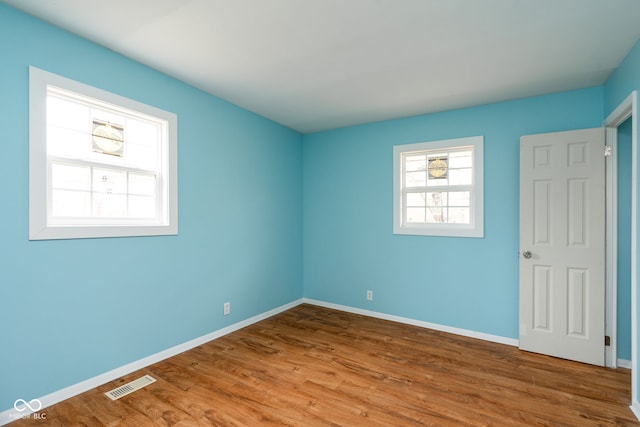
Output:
[[312, 366]]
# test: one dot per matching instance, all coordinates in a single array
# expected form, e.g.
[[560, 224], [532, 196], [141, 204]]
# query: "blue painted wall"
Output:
[[624, 80], [466, 283], [71, 310]]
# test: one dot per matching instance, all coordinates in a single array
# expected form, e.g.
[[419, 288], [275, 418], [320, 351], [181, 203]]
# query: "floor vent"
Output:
[[123, 390]]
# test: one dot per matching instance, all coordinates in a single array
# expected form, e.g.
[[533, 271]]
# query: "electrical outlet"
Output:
[[226, 308], [369, 295]]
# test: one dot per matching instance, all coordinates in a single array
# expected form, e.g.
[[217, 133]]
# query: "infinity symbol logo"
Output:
[[37, 405]]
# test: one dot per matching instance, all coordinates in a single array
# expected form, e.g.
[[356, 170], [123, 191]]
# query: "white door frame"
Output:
[[628, 108], [611, 247]]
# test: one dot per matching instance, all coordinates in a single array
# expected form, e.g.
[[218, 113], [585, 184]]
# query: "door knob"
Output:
[[526, 254]]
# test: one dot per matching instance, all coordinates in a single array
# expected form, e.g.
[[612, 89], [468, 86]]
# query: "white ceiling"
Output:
[[321, 64]]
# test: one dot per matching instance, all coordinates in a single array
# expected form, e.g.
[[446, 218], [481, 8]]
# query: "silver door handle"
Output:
[[526, 254]]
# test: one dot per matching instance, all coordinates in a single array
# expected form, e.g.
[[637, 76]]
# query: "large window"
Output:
[[438, 188], [100, 165]]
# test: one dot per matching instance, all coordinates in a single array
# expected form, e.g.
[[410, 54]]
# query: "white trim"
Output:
[[611, 248], [58, 396], [443, 328], [39, 226], [621, 113], [623, 363], [629, 108], [634, 254], [635, 408]]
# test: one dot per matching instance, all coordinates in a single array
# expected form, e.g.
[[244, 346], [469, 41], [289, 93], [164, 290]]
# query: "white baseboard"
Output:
[[635, 408], [622, 363], [457, 331], [58, 396]]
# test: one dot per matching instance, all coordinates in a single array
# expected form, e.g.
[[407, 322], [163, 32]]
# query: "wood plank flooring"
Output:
[[312, 366]]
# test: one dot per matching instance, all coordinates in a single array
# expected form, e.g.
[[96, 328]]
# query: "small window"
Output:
[[438, 188], [100, 165]]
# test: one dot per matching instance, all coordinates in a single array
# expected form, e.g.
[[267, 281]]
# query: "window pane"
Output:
[[436, 215], [109, 205], [142, 207], [142, 133], [437, 199], [67, 142], [107, 138], [142, 184], [415, 214], [107, 117], [460, 177], [70, 177], [460, 159], [437, 155], [415, 163], [459, 215], [439, 182], [416, 199], [438, 166], [109, 181], [66, 203], [415, 179], [459, 198], [140, 156], [67, 114]]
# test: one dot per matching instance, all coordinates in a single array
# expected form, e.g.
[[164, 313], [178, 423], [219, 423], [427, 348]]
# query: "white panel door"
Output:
[[562, 243]]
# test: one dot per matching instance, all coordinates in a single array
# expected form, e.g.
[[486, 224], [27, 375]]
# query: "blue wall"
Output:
[[460, 282], [67, 315], [624, 80]]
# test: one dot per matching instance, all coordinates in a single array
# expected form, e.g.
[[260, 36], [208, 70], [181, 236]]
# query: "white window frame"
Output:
[[41, 227], [476, 226]]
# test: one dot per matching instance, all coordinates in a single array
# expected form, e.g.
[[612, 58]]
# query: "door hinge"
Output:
[[607, 150], [607, 341]]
